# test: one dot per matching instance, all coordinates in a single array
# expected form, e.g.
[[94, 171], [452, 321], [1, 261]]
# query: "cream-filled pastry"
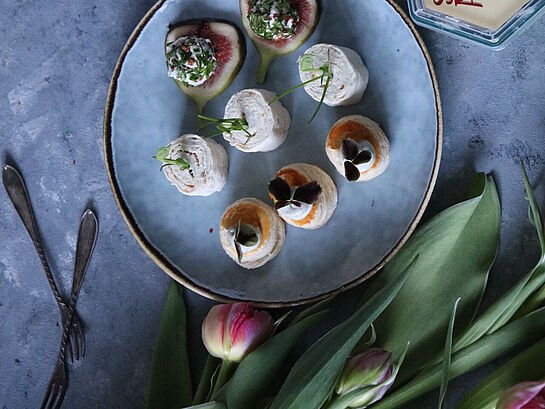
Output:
[[267, 124], [251, 232], [349, 75], [304, 195], [358, 148], [196, 166]]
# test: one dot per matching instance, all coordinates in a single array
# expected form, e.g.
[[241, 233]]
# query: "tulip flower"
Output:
[[526, 395], [365, 379], [232, 331]]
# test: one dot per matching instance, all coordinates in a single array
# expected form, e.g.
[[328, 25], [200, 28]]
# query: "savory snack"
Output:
[[251, 233], [196, 166], [304, 195], [267, 124], [348, 74], [204, 57], [278, 27], [358, 148]]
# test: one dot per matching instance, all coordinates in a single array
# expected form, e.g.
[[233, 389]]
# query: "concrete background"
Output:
[[56, 59]]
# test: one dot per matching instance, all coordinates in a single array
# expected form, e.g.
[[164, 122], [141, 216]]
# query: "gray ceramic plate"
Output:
[[146, 110]]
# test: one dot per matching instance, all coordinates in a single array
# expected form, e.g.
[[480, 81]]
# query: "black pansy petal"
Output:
[[349, 149], [279, 189], [307, 193], [351, 171]]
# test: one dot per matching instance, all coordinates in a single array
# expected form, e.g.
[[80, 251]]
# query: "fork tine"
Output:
[[81, 338], [46, 397], [49, 396], [60, 397], [74, 342], [69, 349]]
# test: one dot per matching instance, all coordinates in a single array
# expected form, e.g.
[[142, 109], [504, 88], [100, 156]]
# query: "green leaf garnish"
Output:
[[162, 155], [227, 125], [306, 64]]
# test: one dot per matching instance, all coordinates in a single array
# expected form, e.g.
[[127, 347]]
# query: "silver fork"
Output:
[[17, 192], [58, 383]]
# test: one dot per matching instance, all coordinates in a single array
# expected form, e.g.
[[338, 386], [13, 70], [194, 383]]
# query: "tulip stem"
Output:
[[226, 370], [205, 383]]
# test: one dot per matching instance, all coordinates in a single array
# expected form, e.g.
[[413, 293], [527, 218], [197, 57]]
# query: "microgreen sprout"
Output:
[[306, 64], [162, 155], [227, 125]]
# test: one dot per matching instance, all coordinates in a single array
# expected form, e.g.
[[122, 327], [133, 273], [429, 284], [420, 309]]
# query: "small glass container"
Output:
[[487, 22]]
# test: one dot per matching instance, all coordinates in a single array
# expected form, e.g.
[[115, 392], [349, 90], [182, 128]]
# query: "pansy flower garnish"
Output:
[[244, 235], [162, 155], [353, 157], [284, 195]]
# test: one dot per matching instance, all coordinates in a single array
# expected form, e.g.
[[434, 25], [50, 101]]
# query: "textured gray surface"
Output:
[[56, 59]]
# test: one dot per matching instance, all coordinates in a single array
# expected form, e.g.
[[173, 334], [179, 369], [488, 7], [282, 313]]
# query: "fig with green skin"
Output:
[[229, 50], [308, 14]]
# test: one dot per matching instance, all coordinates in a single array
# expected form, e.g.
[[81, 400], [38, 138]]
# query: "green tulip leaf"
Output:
[[312, 379], [252, 379], [527, 366], [170, 381], [516, 335], [457, 249], [521, 299], [447, 356]]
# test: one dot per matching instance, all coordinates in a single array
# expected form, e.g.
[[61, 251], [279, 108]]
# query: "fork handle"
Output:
[[87, 235], [18, 194]]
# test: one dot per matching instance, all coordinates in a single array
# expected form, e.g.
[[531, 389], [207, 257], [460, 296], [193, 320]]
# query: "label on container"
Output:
[[491, 14]]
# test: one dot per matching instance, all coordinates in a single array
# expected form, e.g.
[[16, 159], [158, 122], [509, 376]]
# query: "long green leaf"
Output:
[[170, 381], [527, 366], [447, 356], [457, 248], [311, 380], [518, 334], [252, 379], [509, 305]]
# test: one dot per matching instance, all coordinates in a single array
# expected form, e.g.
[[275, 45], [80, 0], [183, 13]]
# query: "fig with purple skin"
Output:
[[278, 27], [204, 57]]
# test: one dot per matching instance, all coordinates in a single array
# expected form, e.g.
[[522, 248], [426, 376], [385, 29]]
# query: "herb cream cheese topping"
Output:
[[191, 60], [273, 19]]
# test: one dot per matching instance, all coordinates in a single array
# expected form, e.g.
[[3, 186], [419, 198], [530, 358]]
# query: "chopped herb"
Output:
[[191, 60], [162, 155], [273, 19], [306, 64], [284, 195]]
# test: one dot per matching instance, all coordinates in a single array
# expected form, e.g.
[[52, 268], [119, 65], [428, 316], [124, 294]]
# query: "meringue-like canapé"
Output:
[[304, 195], [349, 74], [358, 148], [251, 233], [268, 125], [196, 166]]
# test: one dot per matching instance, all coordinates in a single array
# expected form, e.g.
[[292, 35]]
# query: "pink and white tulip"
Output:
[[526, 395], [232, 331]]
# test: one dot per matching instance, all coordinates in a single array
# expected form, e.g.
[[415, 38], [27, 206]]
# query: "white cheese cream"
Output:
[[294, 212]]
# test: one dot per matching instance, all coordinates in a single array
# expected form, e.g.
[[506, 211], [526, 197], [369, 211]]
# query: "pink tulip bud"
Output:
[[526, 395], [372, 371], [232, 331]]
